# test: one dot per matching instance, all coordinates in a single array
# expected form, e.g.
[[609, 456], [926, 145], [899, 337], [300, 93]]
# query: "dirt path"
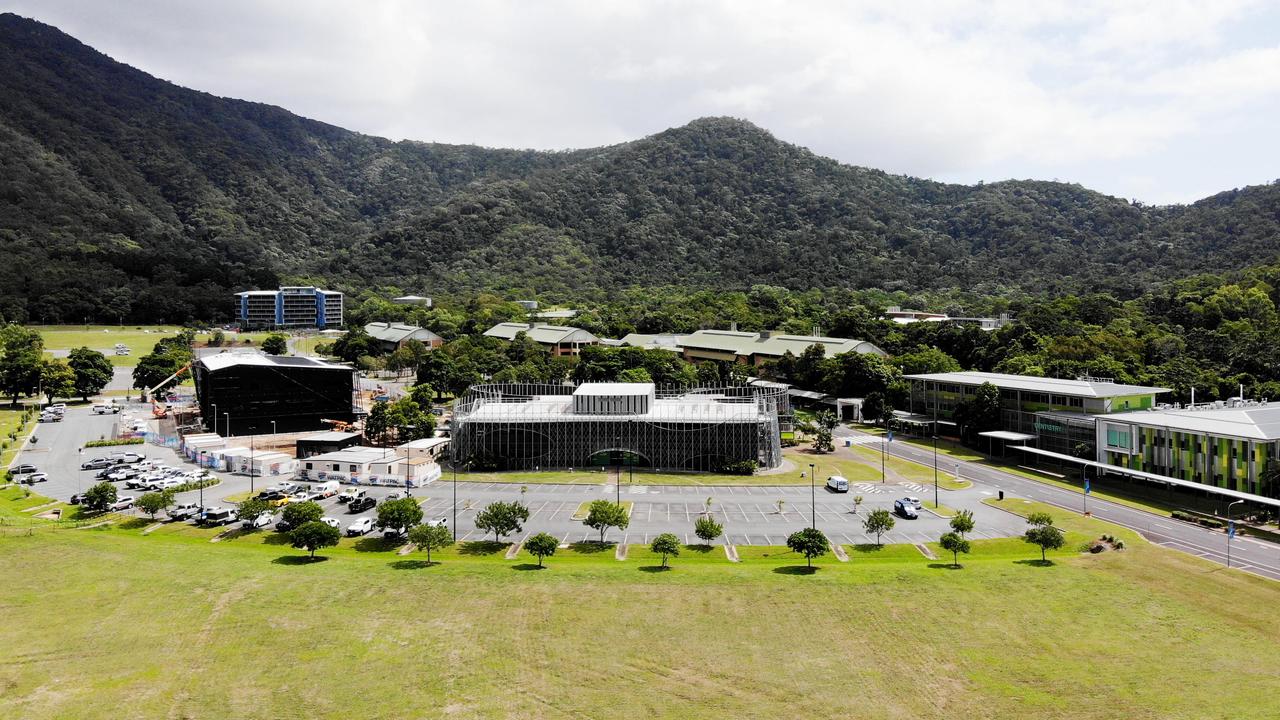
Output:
[[925, 551], [731, 552], [514, 550], [838, 551], [620, 552]]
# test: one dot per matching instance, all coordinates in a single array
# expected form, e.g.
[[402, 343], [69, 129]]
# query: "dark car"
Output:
[[283, 525], [905, 509], [25, 469], [75, 499], [270, 495], [361, 504]]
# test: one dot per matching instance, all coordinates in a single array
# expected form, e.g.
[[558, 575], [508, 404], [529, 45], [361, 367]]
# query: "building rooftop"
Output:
[[1256, 422], [355, 454], [398, 332], [329, 436], [1059, 386], [559, 408], [749, 343], [615, 388], [545, 334], [424, 443], [225, 360]]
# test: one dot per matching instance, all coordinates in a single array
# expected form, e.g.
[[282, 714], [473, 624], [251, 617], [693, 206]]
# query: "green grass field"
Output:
[[108, 622], [140, 339]]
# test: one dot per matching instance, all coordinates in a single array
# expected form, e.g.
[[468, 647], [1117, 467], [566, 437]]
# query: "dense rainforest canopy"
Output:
[[124, 197]]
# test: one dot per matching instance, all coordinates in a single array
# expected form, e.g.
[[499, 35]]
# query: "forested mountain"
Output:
[[122, 195]]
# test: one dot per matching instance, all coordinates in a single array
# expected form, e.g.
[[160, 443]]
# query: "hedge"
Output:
[[1205, 521], [112, 443]]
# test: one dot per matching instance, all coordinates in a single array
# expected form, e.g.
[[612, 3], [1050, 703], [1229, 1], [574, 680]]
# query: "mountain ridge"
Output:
[[129, 196]]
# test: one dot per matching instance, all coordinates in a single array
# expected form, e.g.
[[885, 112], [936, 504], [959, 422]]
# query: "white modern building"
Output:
[[362, 465], [293, 306]]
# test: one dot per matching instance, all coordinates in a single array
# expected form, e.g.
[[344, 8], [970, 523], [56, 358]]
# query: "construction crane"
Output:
[[340, 425], [157, 409]]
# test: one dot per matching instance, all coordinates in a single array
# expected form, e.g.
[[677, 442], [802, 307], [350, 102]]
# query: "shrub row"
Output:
[[1205, 521], [185, 487], [112, 443]]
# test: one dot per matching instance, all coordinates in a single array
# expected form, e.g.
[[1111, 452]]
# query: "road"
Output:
[[1248, 554]]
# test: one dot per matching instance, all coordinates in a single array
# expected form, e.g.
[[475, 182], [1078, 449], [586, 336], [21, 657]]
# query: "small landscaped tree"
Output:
[[299, 514], [252, 508], [809, 542], [275, 344], [827, 420], [430, 537], [707, 529], [954, 543], [1043, 534], [603, 514], [857, 501], [541, 545], [153, 502], [878, 523], [99, 497], [312, 536], [822, 441], [962, 523], [664, 545], [501, 518], [403, 513]]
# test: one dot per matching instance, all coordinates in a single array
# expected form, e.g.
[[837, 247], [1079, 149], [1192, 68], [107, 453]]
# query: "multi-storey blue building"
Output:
[[290, 306]]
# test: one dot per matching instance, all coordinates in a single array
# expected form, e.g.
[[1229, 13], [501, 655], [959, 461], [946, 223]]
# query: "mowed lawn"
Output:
[[140, 340], [109, 624]]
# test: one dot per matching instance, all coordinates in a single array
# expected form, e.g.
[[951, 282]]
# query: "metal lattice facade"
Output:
[[524, 426]]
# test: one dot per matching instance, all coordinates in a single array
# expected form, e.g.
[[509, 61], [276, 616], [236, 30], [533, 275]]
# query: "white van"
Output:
[[326, 489], [835, 483]]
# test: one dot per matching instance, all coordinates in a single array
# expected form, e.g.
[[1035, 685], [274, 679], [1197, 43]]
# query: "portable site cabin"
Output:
[[431, 448], [362, 465], [194, 445], [262, 463]]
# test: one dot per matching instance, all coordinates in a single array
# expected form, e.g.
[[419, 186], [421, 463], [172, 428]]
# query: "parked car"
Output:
[[164, 484], [905, 509], [394, 533], [270, 495], [75, 499], [361, 504], [331, 522], [34, 478], [281, 501], [438, 522], [326, 489], [393, 495], [262, 519], [283, 525], [96, 464], [219, 516], [121, 474], [122, 503], [50, 417], [183, 511], [24, 469], [300, 496], [351, 494], [106, 409], [835, 483], [132, 457], [915, 502], [287, 487], [360, 526]]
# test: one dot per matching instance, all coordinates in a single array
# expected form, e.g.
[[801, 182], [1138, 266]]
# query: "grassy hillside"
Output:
[[107, 622]]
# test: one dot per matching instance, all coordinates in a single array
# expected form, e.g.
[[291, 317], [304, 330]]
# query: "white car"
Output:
[[360, 527], [262, 519], [34, 478], [166, 484], [331, 522], [915, 502], [393, 495], [350, 494], [122, 503], [439, 522]]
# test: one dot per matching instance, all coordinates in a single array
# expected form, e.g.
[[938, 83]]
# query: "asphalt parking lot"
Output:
[[750, 515]]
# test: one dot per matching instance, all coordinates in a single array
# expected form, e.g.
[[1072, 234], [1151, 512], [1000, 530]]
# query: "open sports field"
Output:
[[108, 623], [140, 339]]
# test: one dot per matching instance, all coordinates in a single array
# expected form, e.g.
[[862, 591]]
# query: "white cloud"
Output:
[[953, 89]]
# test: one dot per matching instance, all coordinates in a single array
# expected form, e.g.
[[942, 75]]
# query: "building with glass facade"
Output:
[[1061, 413], [1228, 446], [295, 306]]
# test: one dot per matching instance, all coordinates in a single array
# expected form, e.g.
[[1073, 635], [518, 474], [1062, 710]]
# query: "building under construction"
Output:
[[252, 394], [524, 426]]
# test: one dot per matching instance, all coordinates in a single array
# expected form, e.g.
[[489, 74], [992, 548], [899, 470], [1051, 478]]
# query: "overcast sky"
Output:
[[1165, 101]]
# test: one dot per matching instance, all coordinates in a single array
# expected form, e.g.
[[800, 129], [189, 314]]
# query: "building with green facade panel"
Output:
[[1060, 413], [1235, 447]]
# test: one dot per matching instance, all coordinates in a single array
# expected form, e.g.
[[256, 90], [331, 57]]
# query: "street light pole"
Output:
[[251, 459], [884, 444], [617, 467], [935, 468], [813, 498], [200, 482], [1231, 530], [215, 418], [455, 499], [228, 416]]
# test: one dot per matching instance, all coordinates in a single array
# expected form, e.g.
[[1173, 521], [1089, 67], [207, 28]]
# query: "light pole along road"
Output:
[[1248, 554]]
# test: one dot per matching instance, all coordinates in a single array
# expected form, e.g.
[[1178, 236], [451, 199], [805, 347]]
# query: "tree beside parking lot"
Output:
[[252, 508], [501, 518], [809, 542], [403, 513], [962, 523], [604, 514], [666, 544], [376, 424], [153, 502], [707, 529], [20, 353], [822, 441], [430, 537], [275, 344], [878, 523], [57, 379], [954, 543], [312, 536], [299, 514], [541, 545], [99, 497], [93, 371], [1043, 534]]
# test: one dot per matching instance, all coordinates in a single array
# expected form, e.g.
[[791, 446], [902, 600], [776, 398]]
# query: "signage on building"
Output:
[[1048, 427]]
